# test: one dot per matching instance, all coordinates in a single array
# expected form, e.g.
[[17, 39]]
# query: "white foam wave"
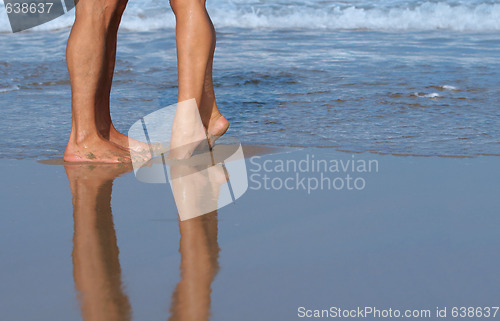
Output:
[[9, 89], [423, 95], [312, 14]]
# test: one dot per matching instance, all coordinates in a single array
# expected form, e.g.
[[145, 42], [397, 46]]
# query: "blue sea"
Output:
[[391, 76]]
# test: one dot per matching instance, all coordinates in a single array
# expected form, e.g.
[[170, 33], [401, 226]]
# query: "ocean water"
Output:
[[400, 77]]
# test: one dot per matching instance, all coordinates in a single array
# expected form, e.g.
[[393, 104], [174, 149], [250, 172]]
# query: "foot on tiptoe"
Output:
[[187, 131], [217, 126]]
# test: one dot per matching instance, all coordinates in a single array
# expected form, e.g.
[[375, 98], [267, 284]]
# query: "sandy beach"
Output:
[[358, 179], [88, 243]]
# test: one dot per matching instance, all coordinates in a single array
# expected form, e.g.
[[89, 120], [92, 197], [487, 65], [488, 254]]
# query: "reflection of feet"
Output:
[[217, 126], [187, 130], [93, 174], [96, 266], [217, 176], [196, 191], [98, 150], [190, 187]]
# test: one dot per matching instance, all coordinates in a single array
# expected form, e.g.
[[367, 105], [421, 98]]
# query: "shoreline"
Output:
[[259, 149]]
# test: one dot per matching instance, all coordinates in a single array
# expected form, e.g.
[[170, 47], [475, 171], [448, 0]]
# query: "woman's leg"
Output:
[[214, 122], [195, 37], [199, 250]]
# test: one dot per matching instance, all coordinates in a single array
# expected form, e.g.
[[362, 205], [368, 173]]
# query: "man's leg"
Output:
[[86, 56], [103, 114]]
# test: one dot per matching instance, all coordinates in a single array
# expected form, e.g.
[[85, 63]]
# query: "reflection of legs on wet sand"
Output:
[[196, 191], [96, 268], [199, 264]]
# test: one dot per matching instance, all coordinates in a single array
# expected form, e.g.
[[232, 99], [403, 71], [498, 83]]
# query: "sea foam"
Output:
[[311, 14]]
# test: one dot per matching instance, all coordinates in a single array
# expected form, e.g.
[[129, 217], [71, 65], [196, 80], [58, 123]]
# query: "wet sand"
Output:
[[93, 243]]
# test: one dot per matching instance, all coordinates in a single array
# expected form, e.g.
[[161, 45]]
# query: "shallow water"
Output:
[[433, 92]]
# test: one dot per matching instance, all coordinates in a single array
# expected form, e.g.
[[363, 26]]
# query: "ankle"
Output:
[[85, 139], [216, 115], [104, 126], [211, 119]]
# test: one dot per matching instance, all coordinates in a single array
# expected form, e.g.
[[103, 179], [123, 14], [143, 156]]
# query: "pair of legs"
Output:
[[96, 265], [91, 55]]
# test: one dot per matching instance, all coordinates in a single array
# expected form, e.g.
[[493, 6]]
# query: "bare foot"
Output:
[[187, 130], [118, 138], [217, 126], [128, 142], [98, 150]]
